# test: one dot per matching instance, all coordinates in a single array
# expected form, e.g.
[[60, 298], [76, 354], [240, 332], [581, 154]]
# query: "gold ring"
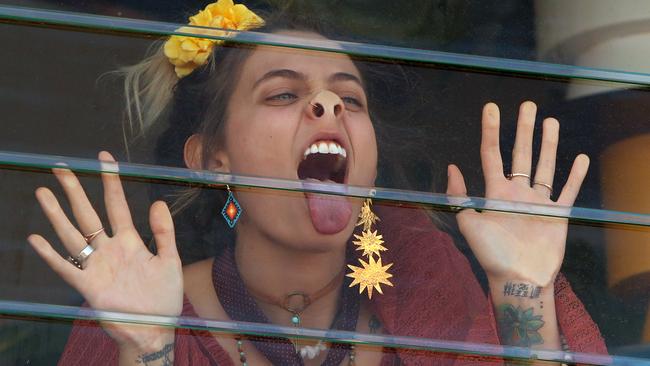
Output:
[[512, 175], [88, 238], [544, 185]]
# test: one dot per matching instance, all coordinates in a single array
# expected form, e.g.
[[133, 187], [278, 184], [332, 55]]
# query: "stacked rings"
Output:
[[83, 255], [88, 238]]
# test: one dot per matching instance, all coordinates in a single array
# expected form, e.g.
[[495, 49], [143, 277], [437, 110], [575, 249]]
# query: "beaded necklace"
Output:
[[242, 354], [373, 324], [241, 306]]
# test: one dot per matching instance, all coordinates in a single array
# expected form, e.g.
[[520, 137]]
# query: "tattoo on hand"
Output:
[[521, 290], [164, 356], [519, 327]]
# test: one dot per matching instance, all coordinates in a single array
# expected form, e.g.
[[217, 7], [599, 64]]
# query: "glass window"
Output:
[[341, 189]]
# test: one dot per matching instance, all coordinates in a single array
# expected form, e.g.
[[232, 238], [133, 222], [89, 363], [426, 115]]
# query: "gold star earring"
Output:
[[372, 273]]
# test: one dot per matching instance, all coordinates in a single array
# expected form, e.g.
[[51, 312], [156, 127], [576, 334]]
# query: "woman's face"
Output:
[[300, 115]]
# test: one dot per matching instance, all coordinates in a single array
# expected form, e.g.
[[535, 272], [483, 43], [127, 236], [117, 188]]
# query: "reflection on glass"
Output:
[[288, 207], [588, 33], [426, 269]]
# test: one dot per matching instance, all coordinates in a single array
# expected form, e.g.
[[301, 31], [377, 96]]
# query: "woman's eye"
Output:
[[282, 98], [352, 103]]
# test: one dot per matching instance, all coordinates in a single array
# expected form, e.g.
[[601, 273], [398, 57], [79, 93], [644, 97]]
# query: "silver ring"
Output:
[[512, 175], [84, 254], [88, 238], [544, 185], [74, 262]]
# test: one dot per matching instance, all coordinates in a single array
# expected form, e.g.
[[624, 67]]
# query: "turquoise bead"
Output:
[[295, 320]]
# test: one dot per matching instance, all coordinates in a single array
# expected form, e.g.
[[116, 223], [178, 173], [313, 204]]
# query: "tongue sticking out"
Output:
[[329, 214]]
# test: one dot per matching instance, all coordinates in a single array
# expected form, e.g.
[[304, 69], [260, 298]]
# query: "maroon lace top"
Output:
[[435, 296]]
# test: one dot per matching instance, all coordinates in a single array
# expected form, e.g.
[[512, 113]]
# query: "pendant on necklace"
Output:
[[295, 321], [295, 303], [312, 352], [305, 351]]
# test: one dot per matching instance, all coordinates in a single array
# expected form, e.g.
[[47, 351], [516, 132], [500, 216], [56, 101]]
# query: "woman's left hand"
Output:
[[516, 246]]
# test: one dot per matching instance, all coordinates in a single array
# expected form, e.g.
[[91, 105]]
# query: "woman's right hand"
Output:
[[121, 274]]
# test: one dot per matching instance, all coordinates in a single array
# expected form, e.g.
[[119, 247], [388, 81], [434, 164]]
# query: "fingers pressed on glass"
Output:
[[490, 153], [576, 177], [162, 227], [116, 206], [62, 267], [72, 239], [89, 223], [545, 171], [522, 151]]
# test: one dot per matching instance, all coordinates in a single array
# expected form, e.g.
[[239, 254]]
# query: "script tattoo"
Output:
[[164, 357], [521, 290], [519, 327]]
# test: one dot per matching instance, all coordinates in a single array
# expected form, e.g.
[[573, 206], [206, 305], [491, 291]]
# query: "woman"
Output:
[[266, 112]]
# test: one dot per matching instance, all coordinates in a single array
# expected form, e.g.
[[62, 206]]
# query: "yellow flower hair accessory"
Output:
[[188, 53]]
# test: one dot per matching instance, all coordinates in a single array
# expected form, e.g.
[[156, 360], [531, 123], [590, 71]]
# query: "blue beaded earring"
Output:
[[231, 210]]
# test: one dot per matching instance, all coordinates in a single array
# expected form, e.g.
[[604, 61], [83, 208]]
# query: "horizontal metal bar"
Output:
[[29, 311], [436, 200], [543, 69]]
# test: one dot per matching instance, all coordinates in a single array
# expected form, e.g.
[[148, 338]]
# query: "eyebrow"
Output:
[[291, 74], [344, 76], [280, 73]]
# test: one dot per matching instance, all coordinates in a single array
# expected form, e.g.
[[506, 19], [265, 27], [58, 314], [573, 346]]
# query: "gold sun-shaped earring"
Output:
[[370, 243], [372, 274], [367, 218]]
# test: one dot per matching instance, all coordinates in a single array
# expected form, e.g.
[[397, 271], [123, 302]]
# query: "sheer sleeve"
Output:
[[577, 327], [88, 344]]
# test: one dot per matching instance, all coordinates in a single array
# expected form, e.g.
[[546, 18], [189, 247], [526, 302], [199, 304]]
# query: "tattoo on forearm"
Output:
[[521, 290], [164, 357], [519, 327]]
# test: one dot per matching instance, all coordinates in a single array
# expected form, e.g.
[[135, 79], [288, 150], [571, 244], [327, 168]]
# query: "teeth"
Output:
[[325, 147], [333, 148]]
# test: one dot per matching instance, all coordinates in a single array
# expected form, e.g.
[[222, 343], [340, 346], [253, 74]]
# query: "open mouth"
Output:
[[325, 161]]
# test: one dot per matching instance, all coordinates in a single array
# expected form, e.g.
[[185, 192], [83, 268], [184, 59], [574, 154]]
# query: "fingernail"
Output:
[[109, 167]]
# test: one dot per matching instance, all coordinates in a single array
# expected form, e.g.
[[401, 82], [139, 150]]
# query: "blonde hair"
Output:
[[148, 88]]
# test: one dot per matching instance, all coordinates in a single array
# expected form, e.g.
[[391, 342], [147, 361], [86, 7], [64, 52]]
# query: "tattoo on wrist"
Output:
[[164, 357], [519, 327], [521, 289]]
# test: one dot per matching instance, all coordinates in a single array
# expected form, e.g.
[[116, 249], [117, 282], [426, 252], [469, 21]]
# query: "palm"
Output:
[[127, 272], [506, 244], [513, 245], [121, 274]]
